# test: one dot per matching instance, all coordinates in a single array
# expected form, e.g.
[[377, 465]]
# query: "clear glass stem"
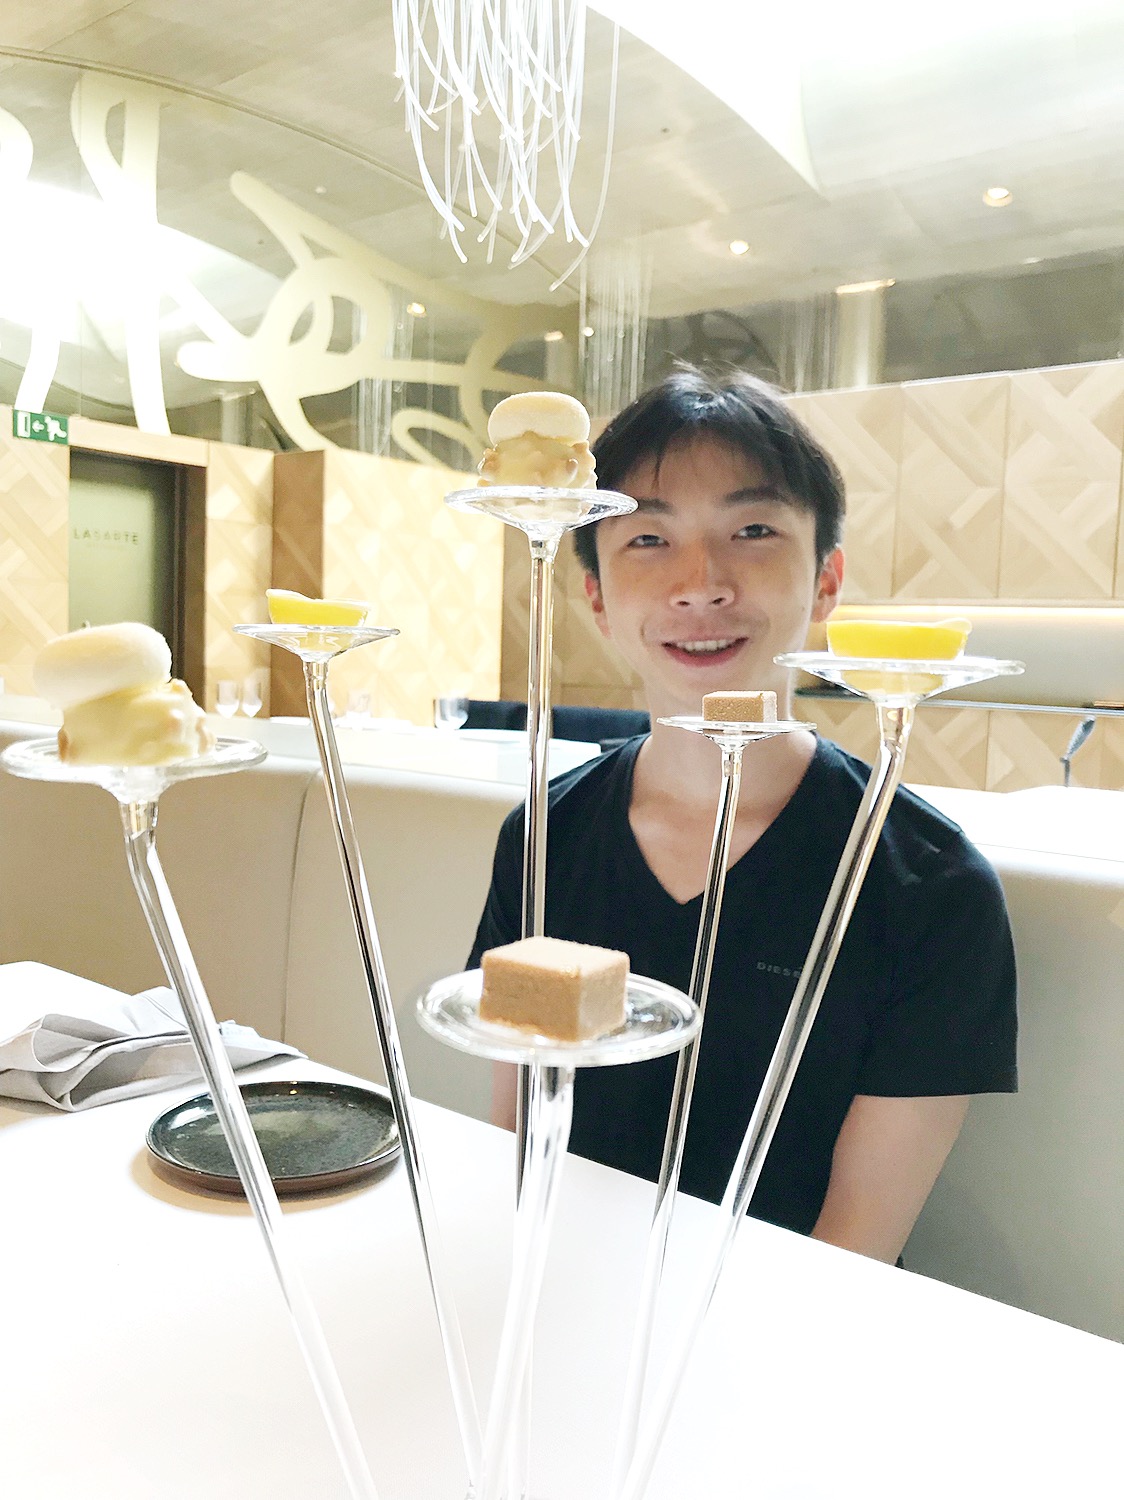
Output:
[[378, 990], [894, 724], [540, 636], [678, 1116], [552, 1094], [139, 819]]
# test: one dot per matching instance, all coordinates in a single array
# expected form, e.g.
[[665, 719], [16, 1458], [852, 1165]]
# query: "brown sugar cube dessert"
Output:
[[740, 708], [568, 991]]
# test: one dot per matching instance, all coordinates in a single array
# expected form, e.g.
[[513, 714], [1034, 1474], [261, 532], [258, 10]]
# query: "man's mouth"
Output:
[[708, 652]]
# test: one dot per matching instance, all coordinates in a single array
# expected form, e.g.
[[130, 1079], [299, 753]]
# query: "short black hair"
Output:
[[734, 408]]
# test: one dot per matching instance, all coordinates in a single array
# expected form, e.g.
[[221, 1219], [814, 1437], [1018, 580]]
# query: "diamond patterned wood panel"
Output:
[[954, 435], [34, 505], [1025, 750], [239, 565], [948, 747], [1061, 512], [862, 430], [434, 573]]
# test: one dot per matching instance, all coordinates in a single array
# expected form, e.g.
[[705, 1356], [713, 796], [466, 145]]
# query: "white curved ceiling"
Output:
[[904, 125]]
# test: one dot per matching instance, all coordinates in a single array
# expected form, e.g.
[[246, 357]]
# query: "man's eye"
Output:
[[646, 539], [756, 530]]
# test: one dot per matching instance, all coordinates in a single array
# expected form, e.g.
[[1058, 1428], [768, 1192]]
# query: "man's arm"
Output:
[[886, 1160]]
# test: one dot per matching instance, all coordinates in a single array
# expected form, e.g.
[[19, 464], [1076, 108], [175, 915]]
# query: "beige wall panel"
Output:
[[862, 431], [847, 721], [948, 747], [954, 435], [1108, 737], [34, 537], [239, 564], [130, 442], [433, 573], [1061, 510], [1025, 750]]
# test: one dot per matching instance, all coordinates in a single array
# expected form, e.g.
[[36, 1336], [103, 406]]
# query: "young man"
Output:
[[732, 551]]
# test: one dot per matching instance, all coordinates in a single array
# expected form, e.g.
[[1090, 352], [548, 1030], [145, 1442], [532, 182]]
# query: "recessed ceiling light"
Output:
[[998, 197], [1032, 260], [587, 332], [863, 286], [739, 247], [320, 191], [555, 336], [416, 309]]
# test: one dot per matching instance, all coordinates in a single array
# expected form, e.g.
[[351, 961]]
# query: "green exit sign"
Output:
[[40, 427]]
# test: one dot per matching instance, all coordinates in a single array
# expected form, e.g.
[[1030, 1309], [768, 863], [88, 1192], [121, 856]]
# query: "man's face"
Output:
[[712, 576]]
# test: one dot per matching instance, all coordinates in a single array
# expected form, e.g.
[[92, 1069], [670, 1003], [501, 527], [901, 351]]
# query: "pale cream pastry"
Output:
[[567, 991], [740, 708], [120, 704], [539, 438]]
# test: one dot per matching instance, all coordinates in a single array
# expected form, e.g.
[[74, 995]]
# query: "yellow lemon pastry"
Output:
[[740, 708], [897, 640], [120, 704], [902, 640], [289, 608], [539, 438], [568, 991]]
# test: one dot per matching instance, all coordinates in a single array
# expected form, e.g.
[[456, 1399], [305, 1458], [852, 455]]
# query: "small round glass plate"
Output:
[[731, 734], [314, 1135], [539, 511], [658, 1019], [317, 642], [38, 760], [892, 679]]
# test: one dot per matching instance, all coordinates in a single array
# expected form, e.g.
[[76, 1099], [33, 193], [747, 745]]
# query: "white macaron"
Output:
[[550, 414], [103, 659]]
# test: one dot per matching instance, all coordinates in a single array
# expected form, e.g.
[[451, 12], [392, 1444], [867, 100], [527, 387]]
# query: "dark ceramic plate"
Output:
[[313, 1134]]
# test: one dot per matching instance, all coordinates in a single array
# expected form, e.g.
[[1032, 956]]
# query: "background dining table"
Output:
[[146, 1354]]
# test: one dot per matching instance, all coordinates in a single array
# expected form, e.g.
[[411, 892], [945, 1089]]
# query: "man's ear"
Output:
[[829, 585], [597, 603]]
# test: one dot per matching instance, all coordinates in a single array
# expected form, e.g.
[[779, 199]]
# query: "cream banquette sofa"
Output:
[[1030, 1208]]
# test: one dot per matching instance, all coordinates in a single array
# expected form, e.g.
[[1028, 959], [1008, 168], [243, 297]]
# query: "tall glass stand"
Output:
[[658, 1020], [137, 790], [895, 687], [544, 516], [731, 739], [317, 646]]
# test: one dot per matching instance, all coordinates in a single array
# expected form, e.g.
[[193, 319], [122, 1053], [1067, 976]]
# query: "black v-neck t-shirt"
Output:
[[921, 1001]]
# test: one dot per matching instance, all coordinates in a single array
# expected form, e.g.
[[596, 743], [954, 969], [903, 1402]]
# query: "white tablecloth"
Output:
[[146, 1354]]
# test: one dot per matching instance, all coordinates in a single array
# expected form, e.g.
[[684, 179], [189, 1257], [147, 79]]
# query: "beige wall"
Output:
[[353, 526], [984, 487], [229, 493]]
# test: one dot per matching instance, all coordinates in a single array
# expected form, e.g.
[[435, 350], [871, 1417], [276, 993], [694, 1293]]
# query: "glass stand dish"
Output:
[[731, 739], [316, 646], [544, 516], [658, 1020], [895, 687], [137, 790]]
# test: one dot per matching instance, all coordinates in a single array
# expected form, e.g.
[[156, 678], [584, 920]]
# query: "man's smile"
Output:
[[706, 652]]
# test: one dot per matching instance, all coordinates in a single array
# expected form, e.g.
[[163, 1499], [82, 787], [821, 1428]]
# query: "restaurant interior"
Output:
[[241, 350]]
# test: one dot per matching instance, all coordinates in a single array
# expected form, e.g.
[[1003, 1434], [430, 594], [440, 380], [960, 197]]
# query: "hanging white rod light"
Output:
[[493, 92]]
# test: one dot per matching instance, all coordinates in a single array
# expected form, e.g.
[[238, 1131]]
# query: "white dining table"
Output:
[[146, 1353]]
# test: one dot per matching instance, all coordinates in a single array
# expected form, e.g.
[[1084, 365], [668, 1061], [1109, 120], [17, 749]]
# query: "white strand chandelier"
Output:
[[493, 94]]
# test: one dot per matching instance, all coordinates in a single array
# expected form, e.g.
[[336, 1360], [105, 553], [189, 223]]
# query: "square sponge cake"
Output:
[[568, 991]]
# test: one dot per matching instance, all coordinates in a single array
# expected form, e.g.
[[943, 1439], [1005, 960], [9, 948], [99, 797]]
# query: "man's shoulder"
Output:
[[917, 838]]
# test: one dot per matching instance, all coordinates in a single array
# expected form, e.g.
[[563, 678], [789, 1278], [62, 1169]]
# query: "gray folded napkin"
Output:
[[72, 1043]]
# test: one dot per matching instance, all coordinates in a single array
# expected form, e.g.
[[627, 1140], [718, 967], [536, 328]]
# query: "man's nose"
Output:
[[702, 579]]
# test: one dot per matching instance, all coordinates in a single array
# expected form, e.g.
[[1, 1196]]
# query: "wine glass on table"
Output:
[[450, 711], [251, 696], [227, 699]]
